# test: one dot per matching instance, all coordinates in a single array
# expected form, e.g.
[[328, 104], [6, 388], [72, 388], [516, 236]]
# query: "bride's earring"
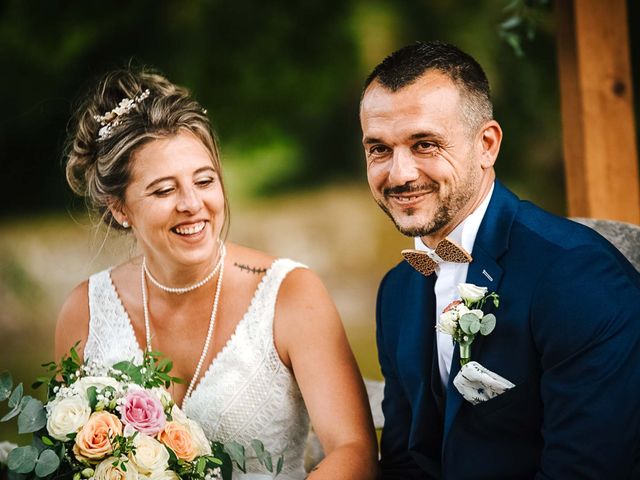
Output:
[[125, 224]]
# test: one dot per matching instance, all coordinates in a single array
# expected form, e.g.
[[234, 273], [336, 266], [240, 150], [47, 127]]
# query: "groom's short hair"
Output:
[[405, 66]]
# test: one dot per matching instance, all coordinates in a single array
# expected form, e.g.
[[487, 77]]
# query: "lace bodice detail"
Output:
[[247, 392]]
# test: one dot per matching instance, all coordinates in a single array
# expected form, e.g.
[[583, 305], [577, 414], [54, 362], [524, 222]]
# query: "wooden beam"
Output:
[[600, 150]]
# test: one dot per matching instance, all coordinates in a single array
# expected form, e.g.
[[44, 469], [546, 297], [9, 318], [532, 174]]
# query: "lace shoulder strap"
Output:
[[262, 309], [111, 337]]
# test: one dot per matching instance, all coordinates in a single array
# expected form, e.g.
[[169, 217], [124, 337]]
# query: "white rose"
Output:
[[150, 456], [470, 292], [178, 415], [99, 382], [5, 449], [199, 438], [66, 416], [448, 322], [478, 313], [106, 471], [164, 475]]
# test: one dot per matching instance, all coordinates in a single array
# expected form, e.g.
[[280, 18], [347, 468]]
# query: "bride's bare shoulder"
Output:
[[73, 321]]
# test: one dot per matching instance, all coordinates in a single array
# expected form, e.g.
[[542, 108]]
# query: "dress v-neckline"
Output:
[[229, 342]]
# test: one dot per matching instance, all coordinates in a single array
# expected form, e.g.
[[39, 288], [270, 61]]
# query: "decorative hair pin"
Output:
[[113, 118]]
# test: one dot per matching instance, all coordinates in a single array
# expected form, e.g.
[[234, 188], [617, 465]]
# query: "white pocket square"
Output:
[[477, 384]]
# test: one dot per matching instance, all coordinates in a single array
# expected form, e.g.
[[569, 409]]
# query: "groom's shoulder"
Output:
[[526, 225], [539, 228], [547, 238]]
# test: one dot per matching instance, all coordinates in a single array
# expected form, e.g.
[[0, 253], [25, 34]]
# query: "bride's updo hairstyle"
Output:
[[128, 109]]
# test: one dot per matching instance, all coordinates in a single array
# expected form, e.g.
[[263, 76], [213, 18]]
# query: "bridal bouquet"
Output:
[[116, 423]]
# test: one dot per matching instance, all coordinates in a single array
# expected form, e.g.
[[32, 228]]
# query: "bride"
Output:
[[257, 339]]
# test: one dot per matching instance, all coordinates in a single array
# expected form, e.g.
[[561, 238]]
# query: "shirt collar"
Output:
[[465, 233]]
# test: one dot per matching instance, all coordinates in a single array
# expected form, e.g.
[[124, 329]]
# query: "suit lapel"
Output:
[[491, 242]]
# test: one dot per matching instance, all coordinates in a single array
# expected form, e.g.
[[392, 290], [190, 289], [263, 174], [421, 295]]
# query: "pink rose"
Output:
[[143, 411]]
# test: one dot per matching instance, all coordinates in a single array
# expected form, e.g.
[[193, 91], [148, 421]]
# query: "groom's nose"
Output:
[[403, 167]]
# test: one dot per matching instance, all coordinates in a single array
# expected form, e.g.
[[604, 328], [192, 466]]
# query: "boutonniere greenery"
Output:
[[465, 318]]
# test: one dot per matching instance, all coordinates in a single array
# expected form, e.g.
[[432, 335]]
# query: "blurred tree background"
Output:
[[281, 81]]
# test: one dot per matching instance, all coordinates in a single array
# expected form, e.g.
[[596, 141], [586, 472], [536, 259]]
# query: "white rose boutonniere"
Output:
[[464, 319]]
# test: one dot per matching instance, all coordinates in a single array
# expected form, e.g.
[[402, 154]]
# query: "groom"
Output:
[[568, 324]]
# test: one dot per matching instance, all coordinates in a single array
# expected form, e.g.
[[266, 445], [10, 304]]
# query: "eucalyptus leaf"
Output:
[[16, 410], [47, 463], [475, 327], [263, 456], [33, 417], [466, 322], [258, 447], [487, 324], [22, 459], [268, 462], [280, 464], [6, 384], [237, 454], [16, 396]]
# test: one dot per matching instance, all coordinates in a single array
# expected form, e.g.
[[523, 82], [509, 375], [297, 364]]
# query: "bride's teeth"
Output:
[[190, 230]]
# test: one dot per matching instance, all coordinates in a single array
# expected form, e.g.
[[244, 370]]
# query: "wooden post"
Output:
[[600, 151]]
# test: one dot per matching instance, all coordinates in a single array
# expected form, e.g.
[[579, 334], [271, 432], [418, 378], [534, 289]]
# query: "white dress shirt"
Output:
[[450, 275]]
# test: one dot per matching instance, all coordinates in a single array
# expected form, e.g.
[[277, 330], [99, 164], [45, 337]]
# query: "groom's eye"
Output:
[[378, 150], [425, 147]]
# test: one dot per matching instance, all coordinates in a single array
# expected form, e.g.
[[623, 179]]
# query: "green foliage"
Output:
[[237, 454], [6, 384], [523, 18], [22, 459], [47, 463], [30, 411], [154, 371], [33, 416]]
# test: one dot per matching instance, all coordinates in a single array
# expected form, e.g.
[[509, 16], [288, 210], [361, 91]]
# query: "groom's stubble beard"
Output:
[[446, 210]]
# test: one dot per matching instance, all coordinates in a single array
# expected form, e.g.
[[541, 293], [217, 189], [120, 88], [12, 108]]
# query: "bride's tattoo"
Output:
[[312, 470], [248, 269]]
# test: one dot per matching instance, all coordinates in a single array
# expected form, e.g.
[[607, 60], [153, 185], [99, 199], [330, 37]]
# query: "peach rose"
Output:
[[178, 438], [93, 442]]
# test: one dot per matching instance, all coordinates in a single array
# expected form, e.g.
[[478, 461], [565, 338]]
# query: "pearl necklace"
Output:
[[181, 290], [214, 311]]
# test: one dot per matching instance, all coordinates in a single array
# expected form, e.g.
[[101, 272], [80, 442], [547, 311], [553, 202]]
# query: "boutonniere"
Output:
[[463, 319]]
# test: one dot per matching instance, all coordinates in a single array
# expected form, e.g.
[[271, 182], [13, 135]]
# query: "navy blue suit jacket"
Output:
[[567, 335]]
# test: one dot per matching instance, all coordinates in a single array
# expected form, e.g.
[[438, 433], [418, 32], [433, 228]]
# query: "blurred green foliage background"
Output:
[[281, 81]]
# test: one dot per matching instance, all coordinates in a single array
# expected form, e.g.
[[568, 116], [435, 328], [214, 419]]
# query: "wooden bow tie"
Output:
[[426, 262]]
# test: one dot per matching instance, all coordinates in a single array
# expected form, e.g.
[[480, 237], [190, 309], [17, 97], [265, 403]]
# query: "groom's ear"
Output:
[[489, 143]]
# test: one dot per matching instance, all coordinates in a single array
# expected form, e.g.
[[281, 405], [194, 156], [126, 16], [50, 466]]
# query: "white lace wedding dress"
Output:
[[247, 393]]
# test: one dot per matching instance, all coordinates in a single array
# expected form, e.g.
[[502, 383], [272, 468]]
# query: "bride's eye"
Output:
[[163, 192], [205, 182]]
